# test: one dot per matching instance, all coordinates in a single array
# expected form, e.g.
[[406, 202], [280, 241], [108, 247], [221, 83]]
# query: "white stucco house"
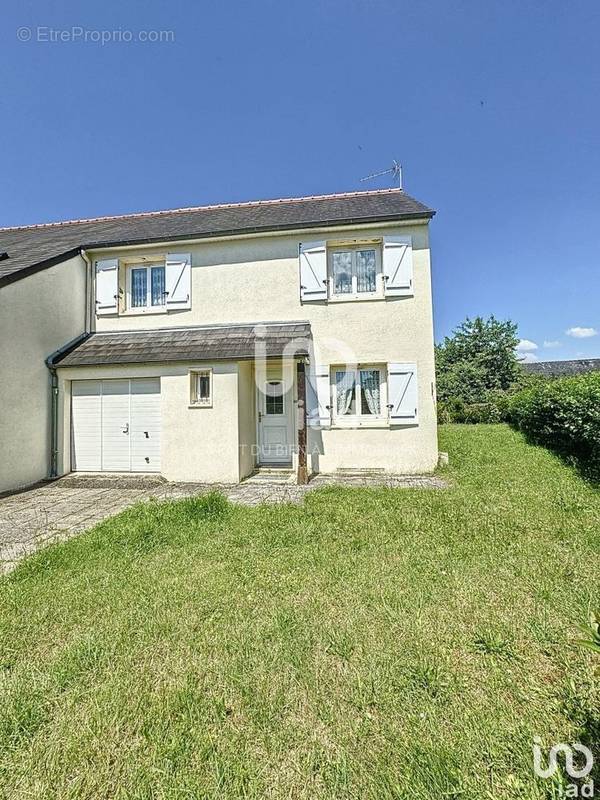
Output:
[[204, 343]]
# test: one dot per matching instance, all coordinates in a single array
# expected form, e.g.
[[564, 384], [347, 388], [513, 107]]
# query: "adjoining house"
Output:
[[203, 343], [560, 369]]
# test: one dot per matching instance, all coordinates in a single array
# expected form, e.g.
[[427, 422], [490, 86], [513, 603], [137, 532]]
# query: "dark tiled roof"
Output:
[[558, 368], [222, 343], [35, 247]]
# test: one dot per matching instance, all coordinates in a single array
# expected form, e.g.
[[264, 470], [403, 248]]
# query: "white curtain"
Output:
[[369, 384], [344, 383]]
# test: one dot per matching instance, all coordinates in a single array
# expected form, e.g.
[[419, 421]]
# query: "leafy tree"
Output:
[[477, 359]]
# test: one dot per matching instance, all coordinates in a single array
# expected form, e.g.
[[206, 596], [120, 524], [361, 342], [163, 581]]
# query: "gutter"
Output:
[[50, 363]]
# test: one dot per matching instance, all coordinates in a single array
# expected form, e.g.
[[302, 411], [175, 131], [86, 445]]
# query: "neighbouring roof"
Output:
[[559, 368], [218, 343], [34, 247]]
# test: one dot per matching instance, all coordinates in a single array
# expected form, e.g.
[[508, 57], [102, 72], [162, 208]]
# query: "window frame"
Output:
[[358, 419], [148, 266], [354, 247], [195, 374]]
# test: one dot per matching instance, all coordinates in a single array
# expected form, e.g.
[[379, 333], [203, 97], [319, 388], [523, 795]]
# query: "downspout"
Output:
[[50, 363]]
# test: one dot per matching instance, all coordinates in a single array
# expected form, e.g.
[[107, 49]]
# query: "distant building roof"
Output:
[[559, 368], [210, 343], [31, 248]]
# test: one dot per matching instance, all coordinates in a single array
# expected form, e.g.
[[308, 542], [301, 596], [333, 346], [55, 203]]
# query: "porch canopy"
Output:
[[209, 343]]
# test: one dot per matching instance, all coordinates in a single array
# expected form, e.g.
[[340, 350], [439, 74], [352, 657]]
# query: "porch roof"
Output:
[[210, 343]]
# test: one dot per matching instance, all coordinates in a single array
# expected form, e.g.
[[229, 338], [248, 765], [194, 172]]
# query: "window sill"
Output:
[[143, 312], [359, 423], [200, 405], [355, 298]]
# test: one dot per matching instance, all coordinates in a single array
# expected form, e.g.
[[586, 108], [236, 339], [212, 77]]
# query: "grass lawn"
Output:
[[371, 643]]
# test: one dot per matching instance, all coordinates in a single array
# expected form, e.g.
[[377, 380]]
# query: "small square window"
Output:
[[201, 388]]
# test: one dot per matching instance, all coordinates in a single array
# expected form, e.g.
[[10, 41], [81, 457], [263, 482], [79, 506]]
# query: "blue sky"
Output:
[[493, 108]]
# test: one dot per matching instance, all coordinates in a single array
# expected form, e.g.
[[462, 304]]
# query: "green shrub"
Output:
[[564, 415]]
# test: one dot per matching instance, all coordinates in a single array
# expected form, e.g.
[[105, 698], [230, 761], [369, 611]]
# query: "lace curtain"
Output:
[[344, 383], [371, 392]]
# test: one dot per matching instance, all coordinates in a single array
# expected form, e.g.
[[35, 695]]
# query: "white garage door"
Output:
[[115, 425]]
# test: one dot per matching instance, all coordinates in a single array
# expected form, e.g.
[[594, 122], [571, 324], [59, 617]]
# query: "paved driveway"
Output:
[[62, 508]]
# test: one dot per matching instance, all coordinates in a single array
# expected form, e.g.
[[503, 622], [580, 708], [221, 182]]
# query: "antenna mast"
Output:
[[395, 171]]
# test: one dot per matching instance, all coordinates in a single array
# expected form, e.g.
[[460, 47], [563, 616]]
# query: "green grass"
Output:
[[372, 643]]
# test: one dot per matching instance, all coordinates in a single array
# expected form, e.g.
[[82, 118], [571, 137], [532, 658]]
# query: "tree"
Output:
[[478, 358]]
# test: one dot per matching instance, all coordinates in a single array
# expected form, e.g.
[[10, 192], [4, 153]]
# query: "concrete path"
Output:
[[60, 509]]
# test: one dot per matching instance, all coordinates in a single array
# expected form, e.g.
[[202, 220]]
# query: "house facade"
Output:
[[202, 344]]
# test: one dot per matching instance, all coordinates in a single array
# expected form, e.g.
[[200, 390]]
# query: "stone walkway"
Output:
[[60, 509]]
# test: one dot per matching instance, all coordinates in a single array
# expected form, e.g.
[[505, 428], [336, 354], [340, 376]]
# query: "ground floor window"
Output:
[[201, 387], [358, 393]]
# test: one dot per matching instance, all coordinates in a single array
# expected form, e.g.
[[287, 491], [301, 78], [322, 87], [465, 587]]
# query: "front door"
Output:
[[274, 429]]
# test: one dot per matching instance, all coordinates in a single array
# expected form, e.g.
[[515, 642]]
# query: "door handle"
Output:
[[126, 428], [259, 416]]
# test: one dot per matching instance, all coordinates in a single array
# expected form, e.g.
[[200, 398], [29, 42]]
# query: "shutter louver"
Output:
[[403, 393], [398, 266], [107, 286], [178, 280], [318, 397], [313, 271]]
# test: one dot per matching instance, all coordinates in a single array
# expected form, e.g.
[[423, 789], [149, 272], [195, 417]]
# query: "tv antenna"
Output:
[[395, 171]]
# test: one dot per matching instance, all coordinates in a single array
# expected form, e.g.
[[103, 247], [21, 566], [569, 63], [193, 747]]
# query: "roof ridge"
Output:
[[356, 193]]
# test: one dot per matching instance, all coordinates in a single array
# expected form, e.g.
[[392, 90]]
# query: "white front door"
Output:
[[274, 423], [116, 425]]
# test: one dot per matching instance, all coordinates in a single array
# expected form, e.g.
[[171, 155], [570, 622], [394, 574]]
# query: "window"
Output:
[[146, 287], [354, 271], [274, 398], [201, 388], [359, 394]]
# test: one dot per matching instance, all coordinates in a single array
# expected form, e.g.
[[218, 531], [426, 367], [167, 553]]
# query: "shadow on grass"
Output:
[[585, 464]]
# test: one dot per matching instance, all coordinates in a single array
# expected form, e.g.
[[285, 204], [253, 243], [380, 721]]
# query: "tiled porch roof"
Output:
[[214, 343]]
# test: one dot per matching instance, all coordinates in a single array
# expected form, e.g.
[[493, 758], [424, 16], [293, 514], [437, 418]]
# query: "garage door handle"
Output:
[[146, 434], [126, 428]]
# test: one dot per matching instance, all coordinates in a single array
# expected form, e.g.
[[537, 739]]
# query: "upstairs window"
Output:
[[354, 272], [146, 287]]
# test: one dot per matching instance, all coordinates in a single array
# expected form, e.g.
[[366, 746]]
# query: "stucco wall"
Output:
[[38, 314], [197, 444]]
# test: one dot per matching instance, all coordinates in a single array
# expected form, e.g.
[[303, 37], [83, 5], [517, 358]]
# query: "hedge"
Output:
[[563, 415]]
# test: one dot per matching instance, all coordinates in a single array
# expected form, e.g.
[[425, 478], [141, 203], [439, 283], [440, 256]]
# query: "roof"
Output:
[[214, 343], [560, 368], [34, 247]]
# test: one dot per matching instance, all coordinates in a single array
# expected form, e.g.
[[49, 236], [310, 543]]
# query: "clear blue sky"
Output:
[[493, 108]]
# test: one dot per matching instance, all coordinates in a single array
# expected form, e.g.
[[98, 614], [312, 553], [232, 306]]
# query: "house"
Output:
[[563, 369], [202, 343]]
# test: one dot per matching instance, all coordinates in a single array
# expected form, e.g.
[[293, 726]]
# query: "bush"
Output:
[[455, 410], [564, 415]]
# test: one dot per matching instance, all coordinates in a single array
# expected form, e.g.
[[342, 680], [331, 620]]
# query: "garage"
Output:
[[116, 425]]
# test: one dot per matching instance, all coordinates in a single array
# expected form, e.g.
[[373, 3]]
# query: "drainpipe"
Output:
[[51, 364], [88, 300]]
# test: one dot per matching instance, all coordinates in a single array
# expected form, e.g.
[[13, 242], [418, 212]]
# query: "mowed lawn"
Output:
[[372, 643]]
